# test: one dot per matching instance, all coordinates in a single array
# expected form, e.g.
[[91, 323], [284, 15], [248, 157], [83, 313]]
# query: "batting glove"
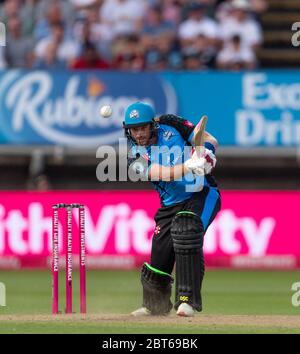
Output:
[[195, 165], [210, 159]]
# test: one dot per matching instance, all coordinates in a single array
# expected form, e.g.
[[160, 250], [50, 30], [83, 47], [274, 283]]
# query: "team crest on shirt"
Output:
[[168, 135], [134, 114]]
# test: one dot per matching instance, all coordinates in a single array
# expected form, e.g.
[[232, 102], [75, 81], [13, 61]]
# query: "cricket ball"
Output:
[[106, 111]]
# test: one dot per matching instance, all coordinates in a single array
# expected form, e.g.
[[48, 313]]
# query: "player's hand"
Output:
[[195, 165], [210, 159]]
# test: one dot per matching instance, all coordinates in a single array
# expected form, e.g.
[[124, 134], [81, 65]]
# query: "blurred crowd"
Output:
[[131, 35]]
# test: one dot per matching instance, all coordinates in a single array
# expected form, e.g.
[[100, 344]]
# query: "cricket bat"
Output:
[[199, 136]]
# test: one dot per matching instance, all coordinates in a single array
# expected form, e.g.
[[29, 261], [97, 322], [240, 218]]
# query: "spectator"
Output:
[[83, 4], [223, 11], [156, 27], [172, 11], [8, 9], [66, 8], [66, 49], [192, 62], [50, 14], [28, 15], [133, 35], [206, 52], [197, 23], [90, 28], [199, 34], [240, 23], [235, 57], [129, 54], [157, 61], [210, 6], [89, 59], [25, 11], [157, 39], [18, 50], [258, 7], [163, 56], [50, 59], [2, 58], [124, 17]]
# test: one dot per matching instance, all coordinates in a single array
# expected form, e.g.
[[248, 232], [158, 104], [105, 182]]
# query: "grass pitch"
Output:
[[233, 302]]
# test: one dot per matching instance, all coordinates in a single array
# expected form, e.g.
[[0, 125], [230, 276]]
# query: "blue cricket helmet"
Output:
[[137, 114]]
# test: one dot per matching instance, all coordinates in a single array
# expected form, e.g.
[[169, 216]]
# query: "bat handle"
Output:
[[200, 151]]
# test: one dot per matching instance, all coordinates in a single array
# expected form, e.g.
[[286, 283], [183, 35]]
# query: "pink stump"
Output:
[[55, 260], [82, 263], [69, 266]]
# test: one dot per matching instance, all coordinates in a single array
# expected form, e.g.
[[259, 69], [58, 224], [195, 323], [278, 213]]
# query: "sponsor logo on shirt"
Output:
[[168, 135]]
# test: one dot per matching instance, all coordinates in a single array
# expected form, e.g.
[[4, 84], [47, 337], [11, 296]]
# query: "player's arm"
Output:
[[208, 138], [158, 172], [210, 142], [201, 138], [139, 163]]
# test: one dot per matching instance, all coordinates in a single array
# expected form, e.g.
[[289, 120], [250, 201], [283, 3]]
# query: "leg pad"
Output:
[[187, 234], [157, 287]]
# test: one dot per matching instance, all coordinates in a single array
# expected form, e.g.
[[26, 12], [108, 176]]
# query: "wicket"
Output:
[[69, 259]]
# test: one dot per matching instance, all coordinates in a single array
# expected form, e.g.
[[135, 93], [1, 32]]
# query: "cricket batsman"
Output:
[[190, 201]]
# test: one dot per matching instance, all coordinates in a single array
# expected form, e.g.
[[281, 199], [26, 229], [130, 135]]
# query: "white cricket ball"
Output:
[[106, 111]]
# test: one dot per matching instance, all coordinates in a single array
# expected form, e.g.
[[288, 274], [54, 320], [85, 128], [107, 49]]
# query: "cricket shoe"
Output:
[[185, 310], [143, 311]]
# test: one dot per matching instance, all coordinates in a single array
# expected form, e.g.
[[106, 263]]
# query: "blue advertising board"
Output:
[[42, 107], [247, 109]]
